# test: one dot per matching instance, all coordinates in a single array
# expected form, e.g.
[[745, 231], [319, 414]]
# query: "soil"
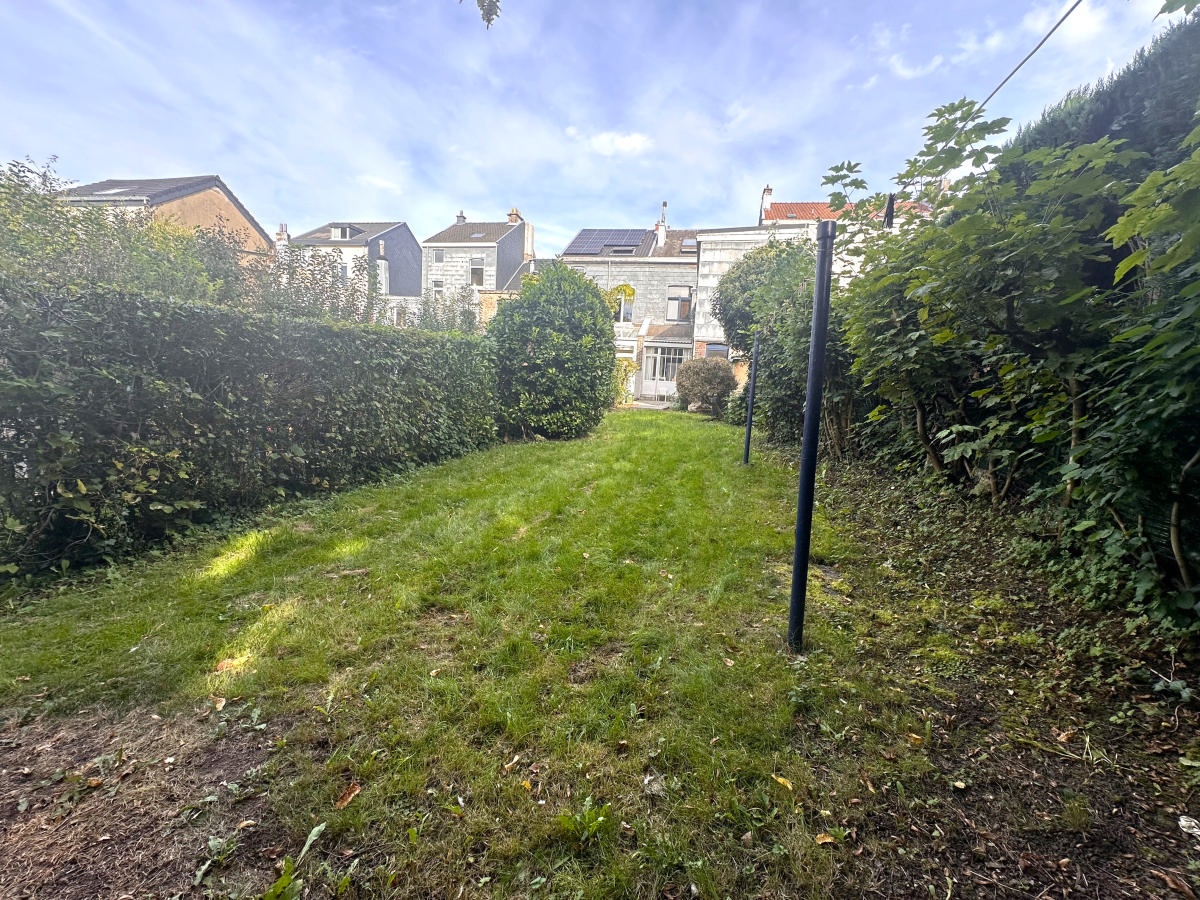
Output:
[[94, 806]]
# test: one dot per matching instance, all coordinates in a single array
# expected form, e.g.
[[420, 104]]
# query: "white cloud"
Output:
[[901, 69], [614, 143]]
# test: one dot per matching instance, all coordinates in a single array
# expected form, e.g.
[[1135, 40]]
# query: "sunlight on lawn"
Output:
[[256, 642], [241, 552]]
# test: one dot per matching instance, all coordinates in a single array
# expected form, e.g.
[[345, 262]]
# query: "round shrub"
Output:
[[707, 381], [554, 353]]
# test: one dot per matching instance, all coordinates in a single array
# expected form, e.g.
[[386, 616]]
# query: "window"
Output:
[[438, 288], [399, 316], [689, 245], [624, 312], [477, 271], [721, 350], [662, 363], [340, 233], [344, 273], [381, 251], [679, 303], [439, 256]]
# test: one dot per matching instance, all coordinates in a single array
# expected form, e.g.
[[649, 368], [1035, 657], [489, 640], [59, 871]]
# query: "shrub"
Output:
[[125, 417], [554, 355], [707, 381]]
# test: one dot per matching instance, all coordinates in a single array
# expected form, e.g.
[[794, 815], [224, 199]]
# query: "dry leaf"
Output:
[[824, 838], [961, 785], [246, 823], [347, 795], [509, 765], [95, 782], [433, 673], [787, 784], [217, 702], [1175, 883], [916, 740], [527, 784], [728, 661], [226, 664], [1190, 825]]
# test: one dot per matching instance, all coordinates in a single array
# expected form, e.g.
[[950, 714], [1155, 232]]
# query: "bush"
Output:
[[125, 417], [707, 381], [554, 355]]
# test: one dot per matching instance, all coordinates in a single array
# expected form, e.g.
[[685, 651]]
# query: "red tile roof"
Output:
[[816, 212], [804, 212]]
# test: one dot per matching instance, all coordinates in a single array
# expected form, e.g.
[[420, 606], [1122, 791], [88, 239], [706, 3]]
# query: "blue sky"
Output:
[[581, 114]]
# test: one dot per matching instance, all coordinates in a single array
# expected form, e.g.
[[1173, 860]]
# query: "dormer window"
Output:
[[339, 233], [689, 245]]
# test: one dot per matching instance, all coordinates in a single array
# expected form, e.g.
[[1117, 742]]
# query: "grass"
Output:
[[559, 670]]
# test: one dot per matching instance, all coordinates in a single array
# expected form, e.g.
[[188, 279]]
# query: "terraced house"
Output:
[[489, 258], [655, 327]]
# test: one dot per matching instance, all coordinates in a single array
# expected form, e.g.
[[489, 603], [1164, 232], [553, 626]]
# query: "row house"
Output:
[[655, 327], [389, 247], [489, 258]]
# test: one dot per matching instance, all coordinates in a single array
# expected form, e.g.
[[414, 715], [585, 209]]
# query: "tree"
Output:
[[489, 10], [553, 346]]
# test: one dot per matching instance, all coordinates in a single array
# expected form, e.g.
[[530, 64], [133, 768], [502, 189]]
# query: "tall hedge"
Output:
[[554, 353], [124, 416]]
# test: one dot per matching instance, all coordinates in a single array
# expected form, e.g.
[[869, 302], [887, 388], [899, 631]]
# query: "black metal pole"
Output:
[[812, 433], [750, 401]]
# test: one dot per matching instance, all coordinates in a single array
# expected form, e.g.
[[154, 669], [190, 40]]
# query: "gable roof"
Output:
[[155, 192], [473, 233], [362, 233]]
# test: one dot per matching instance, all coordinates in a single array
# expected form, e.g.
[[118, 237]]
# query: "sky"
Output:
[[579, 114]]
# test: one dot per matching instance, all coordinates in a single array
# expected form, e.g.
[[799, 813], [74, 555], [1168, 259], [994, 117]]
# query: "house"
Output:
[[655, 327], [390, 247], [489, 258], [199, 201]]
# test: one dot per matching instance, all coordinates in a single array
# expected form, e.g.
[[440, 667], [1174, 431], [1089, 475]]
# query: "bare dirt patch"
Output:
[[105, 806]]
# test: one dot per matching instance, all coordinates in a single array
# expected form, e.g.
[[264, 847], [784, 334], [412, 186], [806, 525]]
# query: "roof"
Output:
[[636, 242], [155, 192], [152, 191], [804, 212], [673, 246], [362, 233], [817, 212], [473, 233], [669, 334], [611, 242]]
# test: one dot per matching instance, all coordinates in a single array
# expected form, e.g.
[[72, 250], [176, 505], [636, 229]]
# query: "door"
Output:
[[658, 371]]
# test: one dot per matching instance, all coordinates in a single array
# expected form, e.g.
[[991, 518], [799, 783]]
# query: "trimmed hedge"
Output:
[[125, 417]]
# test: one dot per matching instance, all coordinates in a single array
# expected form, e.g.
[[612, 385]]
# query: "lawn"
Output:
[[559, 670]]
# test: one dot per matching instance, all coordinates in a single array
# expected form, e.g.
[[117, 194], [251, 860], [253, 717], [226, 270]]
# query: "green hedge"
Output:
[[124, 417]]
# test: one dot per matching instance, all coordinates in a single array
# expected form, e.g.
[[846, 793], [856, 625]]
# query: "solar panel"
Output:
[[592, 241]]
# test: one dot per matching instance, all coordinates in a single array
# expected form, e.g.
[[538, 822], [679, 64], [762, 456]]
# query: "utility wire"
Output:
[[1006, 80]]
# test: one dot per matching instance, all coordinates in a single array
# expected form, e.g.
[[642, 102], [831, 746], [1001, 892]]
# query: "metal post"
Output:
[[812, 433], [750, 401]]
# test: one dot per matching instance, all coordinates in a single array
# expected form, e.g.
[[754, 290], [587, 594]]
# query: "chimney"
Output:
[[514, 216], [764, 204], [282, 238], [660, 228], [460, 219]]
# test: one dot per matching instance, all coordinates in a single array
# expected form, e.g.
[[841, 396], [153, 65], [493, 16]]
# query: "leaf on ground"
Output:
[[824, 838], [217, 702], [508, 766], [787, 784], [1175, 883], [347, 795], [728, 661]]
